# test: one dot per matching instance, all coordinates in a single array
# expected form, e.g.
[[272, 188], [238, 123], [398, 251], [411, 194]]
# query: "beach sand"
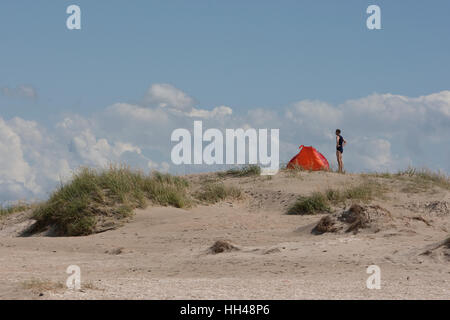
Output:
[[164, 252]]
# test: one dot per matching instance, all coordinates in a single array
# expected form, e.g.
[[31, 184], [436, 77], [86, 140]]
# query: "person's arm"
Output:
[[344, 143], [337, 141]]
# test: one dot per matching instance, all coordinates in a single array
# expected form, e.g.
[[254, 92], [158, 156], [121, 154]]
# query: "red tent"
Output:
[[309, 159]]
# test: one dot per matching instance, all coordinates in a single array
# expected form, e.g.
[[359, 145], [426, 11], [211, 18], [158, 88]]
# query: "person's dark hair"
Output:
[[338, 131]]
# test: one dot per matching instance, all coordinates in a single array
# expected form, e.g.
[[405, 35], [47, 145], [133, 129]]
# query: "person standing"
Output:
[[340, 143]]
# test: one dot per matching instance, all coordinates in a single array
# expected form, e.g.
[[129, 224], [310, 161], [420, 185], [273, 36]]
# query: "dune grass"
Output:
[[416, 179], [246, 171], [315, 203], [425, 178], [215, 192], [320, 202], [74, 208], [12, 208], [365, 191]]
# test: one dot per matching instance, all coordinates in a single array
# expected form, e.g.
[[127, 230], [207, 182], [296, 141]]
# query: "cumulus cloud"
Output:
[[161, 167], [14, 170], [164, 95], [216, 112], [137, 113], [313, 113], [165, 98], [374, 154], [34, 159], [99, 152], [384, 132]]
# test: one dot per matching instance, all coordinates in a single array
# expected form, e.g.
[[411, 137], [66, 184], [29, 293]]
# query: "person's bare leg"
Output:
[[341, 162], [338, 161]]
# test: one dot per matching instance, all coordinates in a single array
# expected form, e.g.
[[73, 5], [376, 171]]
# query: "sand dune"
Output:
[[165, 253]]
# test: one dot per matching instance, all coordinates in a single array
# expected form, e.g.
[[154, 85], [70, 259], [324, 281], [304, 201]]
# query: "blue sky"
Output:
[[240, 53], [305, 59]]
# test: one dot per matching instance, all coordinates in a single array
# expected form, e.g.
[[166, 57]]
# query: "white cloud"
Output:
[[138, 114], [214, 113], [13, 167], [172, 100], [34, 160], [167, 96], [161, 167], [374, 154], [91, 150], [312, 113], [384, 132]]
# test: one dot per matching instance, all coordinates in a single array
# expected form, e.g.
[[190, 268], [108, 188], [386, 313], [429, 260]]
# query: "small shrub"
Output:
[[313, 204], [320, 202]]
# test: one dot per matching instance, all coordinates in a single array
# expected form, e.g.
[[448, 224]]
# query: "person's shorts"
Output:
[[340, 149]]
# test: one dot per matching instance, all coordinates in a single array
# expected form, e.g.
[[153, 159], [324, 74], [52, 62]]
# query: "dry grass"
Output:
[[326, 224], [295, 172], [246, 171], [364, 192], [356, 217], [215, 192], [40, 286], [13, 208], [222, 246], [424, 179], [372, 218], [416, 180]]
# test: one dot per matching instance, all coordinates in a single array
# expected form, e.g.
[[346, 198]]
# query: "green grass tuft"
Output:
[[320, 202], [313, 204]]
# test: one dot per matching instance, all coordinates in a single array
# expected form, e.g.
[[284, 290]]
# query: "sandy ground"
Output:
[[163, 252]]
